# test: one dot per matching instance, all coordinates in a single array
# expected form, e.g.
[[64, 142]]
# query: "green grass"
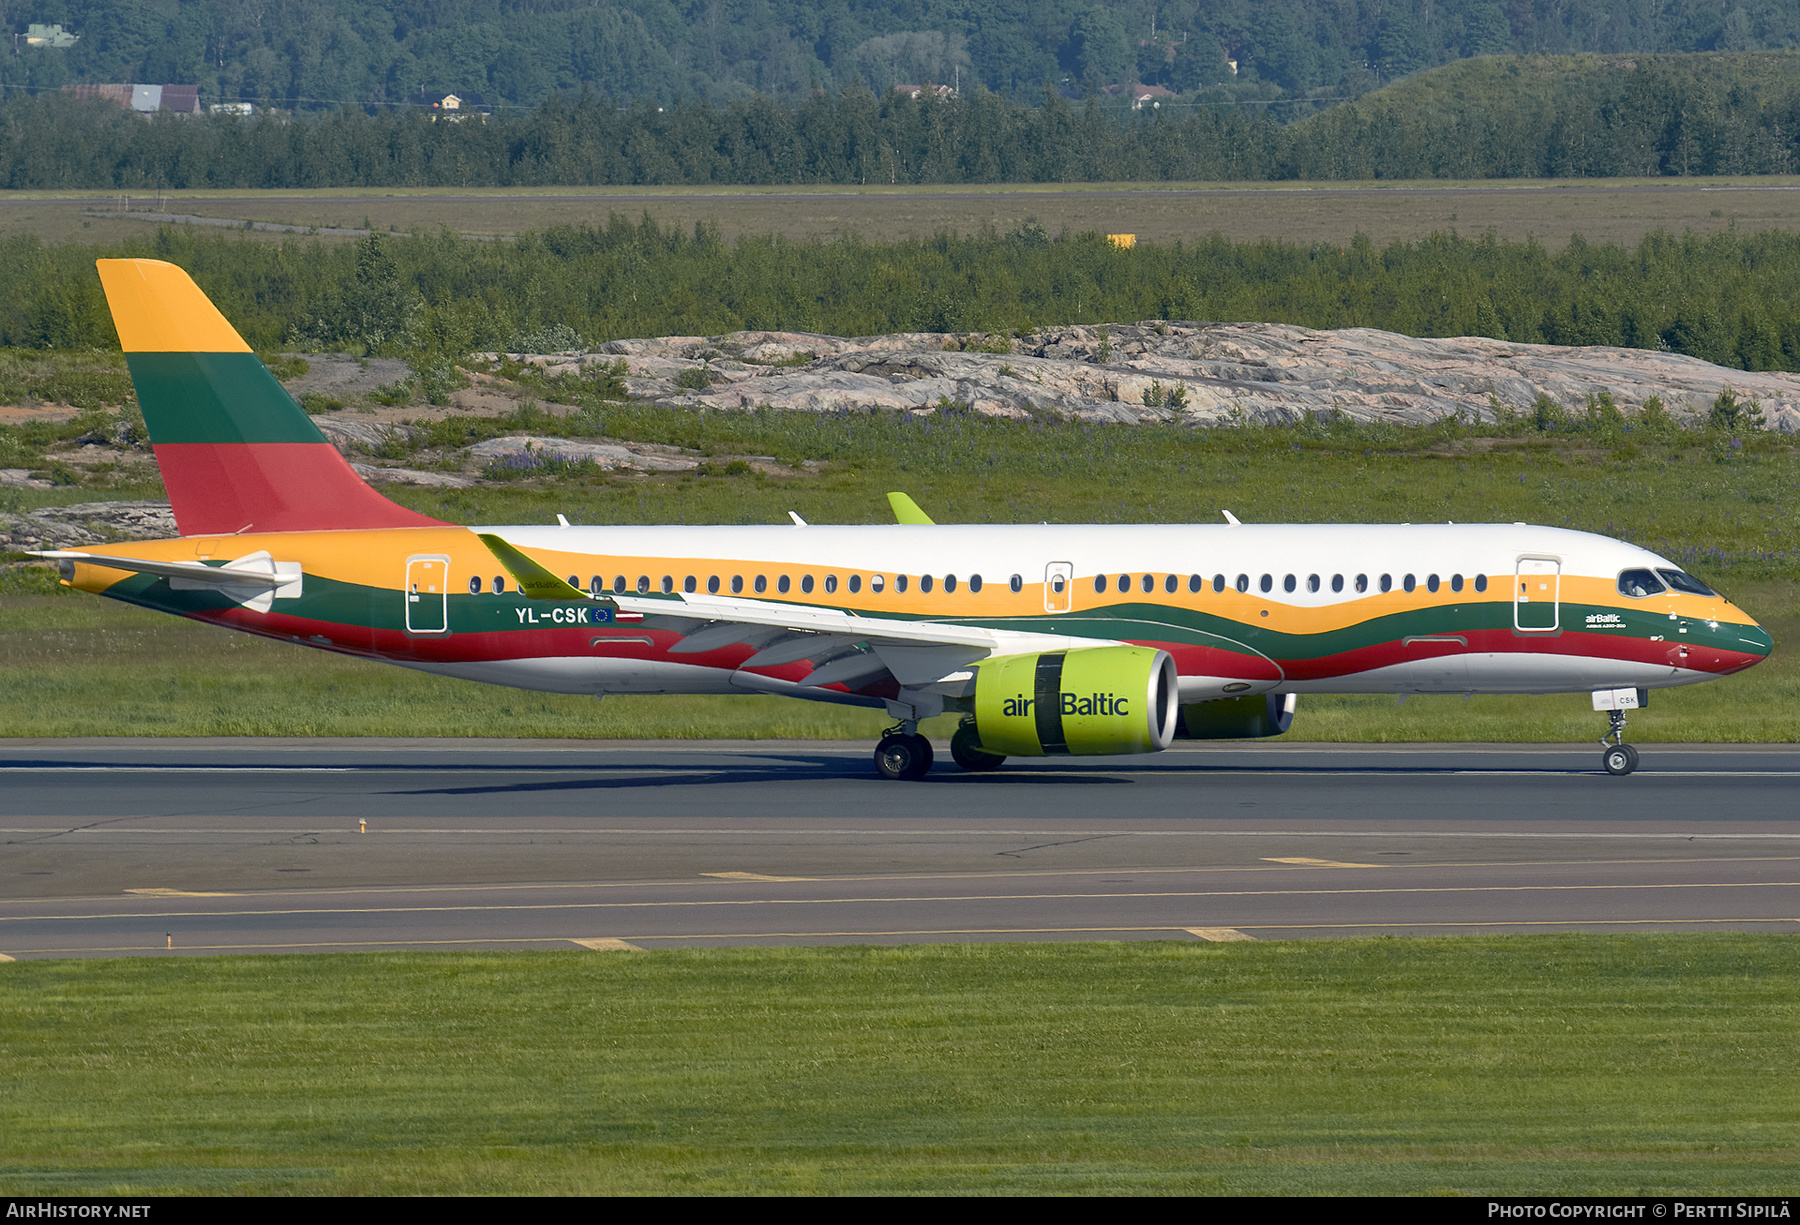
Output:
[[1480, 1066]]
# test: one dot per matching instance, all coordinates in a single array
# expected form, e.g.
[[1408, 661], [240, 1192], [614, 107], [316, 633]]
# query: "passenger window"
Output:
[[1312, 582], [899, 584], [974, 584], [737, 584], [712, 584], [1099, 584], [876, 583], [1268, 583], [499, 584], [924, 582], [1481, 582], [856, 584], [949, 583], [1218, 582], [1148, 583], [1195, 582], [596, 585], [1170, 584], [1387, 582], [1640, 583], [475, 586], [618, 584], [781, 584], [1124, 583], [1431, 582], [1456, 582], [830, 583], [1243, 582], [573, 581], [806, 584], [1016, 583], [1337, 582], [690, 584], [1408, 583], [1287, 584], [668, 583]]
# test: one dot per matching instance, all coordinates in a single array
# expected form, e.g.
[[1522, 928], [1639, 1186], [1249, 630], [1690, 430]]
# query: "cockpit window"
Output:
[[1686, 582], [1640, 583]]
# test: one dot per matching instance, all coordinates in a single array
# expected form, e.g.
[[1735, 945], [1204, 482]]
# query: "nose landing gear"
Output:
[[1618, 757]]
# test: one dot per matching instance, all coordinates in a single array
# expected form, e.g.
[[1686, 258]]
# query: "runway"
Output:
[[144, 847]]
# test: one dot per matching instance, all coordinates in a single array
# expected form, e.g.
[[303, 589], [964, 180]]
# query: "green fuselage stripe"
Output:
[[216, 398]]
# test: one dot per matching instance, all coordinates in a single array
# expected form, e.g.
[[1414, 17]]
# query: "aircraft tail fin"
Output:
[[236, 453]]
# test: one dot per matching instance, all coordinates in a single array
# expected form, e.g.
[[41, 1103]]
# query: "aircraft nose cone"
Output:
[[1753, 639]]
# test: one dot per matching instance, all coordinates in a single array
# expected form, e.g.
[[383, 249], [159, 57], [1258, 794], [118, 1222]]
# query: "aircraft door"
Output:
[[1536, 593], [427, 594], [1059, 586]]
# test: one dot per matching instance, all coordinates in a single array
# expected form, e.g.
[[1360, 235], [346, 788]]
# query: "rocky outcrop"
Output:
[[1202, 374], [87, 523], [603, 455]]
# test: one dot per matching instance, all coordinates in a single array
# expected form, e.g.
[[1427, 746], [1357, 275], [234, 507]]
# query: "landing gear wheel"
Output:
[[1620, 759], [968, 756], [903, 757]]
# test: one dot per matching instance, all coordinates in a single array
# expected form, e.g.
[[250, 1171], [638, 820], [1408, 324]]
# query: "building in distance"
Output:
[[144, 99]]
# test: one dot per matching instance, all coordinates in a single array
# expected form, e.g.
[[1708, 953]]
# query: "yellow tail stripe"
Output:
[[157, 308]]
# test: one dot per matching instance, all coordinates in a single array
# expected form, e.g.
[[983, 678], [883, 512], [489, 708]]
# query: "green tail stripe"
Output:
[[216, 398]]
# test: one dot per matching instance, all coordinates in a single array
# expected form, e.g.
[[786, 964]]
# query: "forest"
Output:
[[302, 55], [1490, 118], [1727, 297]]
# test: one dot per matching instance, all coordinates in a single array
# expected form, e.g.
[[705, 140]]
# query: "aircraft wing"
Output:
[[842, 646]]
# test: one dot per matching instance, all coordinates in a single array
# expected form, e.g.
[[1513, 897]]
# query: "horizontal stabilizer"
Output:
[[254, 580]]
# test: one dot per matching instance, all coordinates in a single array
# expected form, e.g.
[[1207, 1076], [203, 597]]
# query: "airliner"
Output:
[[1047, 640]]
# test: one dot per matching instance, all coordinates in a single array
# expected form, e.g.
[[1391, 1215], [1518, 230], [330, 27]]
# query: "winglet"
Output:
[[907, 511], [534, 581]]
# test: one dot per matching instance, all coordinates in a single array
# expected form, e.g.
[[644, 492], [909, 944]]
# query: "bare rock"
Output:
[[1202, 374], [377, 475], [604, 455], [87, 523]]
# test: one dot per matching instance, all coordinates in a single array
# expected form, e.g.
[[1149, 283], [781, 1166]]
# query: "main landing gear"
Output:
[[903, 754], [1618, 757]]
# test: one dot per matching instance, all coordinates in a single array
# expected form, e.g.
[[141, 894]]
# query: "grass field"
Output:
[[80, 666], [1483, 1066], [1601, 210]]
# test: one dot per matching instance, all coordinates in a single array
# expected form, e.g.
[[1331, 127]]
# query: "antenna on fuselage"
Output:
[[1230, 518]]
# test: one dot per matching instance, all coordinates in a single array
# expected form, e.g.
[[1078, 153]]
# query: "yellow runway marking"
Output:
[[1299, 862], [929, 899], [1219, 934], [1567, 924], [4, 957], [176, 893], [605, 944]]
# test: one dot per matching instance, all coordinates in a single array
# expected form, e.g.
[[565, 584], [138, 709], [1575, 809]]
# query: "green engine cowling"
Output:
[[1266, 714], [1088, 701]]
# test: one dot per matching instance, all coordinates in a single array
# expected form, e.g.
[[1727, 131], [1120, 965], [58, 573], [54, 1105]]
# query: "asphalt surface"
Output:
[[163, 848]]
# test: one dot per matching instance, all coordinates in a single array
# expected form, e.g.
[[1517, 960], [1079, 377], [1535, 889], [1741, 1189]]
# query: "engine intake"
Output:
[[1088, 701]]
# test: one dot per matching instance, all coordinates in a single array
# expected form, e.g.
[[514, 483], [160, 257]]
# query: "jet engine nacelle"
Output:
[[1087, 701], [1264, 714]]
